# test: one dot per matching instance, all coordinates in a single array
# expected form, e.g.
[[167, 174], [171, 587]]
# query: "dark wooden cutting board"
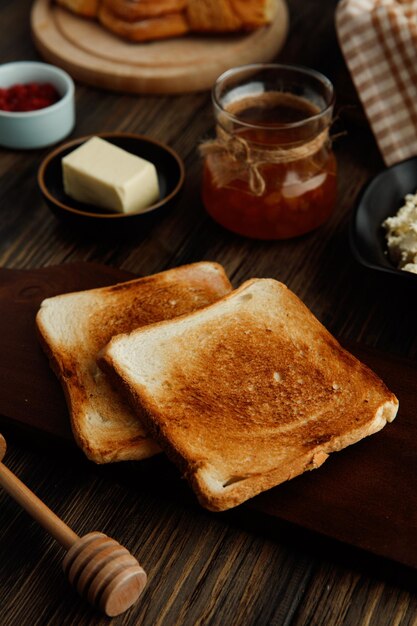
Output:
[[365, 496], [30, 395]]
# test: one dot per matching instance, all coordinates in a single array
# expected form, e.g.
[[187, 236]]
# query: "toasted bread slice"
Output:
[[248, 392], [74, 327]]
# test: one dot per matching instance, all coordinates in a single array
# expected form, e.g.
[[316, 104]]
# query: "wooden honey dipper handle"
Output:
[[36, 508], [99, 567]]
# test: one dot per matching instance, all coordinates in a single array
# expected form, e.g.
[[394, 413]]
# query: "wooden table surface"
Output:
[[203, 568]]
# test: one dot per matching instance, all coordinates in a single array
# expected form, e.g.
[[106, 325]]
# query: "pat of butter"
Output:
[[104, 175]]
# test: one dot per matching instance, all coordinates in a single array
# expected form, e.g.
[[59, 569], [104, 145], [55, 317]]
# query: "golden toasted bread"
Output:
[[74, 327], [249, 392]]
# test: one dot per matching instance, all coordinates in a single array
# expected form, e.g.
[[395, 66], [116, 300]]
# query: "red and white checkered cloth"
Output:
[[379, 42]]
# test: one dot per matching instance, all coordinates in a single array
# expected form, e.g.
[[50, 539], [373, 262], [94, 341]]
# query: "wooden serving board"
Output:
[[365, 495], [30, 395], [93, 55]]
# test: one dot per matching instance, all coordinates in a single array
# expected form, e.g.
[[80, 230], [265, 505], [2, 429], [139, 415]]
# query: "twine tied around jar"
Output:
[[236, 158]]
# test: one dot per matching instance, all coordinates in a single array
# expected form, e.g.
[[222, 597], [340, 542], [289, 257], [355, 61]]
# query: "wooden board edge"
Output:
[[84, 68]]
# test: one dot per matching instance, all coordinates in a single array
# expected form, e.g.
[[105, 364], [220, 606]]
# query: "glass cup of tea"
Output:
[[270, 172]]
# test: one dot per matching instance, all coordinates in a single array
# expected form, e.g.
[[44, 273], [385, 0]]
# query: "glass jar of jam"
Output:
[[270, 172]]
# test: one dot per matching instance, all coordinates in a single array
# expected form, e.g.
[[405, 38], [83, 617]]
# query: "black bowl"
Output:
[[171, 175], [381, 198]]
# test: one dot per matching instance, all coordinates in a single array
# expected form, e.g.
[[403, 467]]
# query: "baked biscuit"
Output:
[[86, 8], [228, 15], [171, 25], [254, 14], [133, 10], [212, 16]]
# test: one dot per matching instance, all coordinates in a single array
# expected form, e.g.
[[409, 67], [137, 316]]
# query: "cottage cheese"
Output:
[[401, 235]]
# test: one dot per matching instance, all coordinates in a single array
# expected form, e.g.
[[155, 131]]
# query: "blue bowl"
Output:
[[43, 127]]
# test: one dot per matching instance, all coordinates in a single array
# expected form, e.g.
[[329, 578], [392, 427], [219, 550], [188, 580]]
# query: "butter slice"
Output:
[[104, 175]]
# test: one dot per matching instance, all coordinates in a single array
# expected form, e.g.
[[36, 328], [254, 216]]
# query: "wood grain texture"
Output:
[[355, 498], [36, 508], [96, 57], [25, 376], [203, 568]]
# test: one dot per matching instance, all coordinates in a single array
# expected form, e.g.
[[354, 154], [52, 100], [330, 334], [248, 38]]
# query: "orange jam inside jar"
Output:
[[270, 173]]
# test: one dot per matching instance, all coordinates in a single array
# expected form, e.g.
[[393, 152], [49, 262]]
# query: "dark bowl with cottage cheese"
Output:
[[380, 200]]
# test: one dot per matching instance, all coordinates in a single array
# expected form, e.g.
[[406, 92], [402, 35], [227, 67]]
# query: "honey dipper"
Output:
[[101, 570]]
